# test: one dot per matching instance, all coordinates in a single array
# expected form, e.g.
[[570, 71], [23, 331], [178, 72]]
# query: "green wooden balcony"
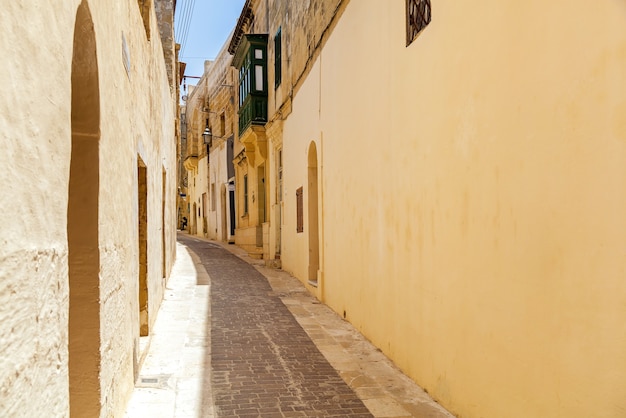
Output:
[[251, 61]]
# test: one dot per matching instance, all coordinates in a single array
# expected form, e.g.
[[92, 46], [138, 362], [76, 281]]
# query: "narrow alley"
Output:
[[235, 339], [312, 208]]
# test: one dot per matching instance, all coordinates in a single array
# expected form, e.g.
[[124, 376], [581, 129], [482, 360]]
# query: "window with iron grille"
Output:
[[299, 211], [417, 18]]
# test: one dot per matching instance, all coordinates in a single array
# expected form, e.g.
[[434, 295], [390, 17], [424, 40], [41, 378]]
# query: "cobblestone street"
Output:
[[263, 363], [262, 347]]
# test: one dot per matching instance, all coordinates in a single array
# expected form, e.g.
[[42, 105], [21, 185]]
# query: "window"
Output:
[[278, 70], [244, 81], [212, 197], [299, 211], [251, 61], [252, 81], [279, 189], [245, 194], [417, 18], [223, 124], [258, 78]]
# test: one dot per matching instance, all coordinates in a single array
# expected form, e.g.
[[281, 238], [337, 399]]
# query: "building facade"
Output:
[[196, 159], [449, 185], [210, 119], [88, 120], [222, 108]]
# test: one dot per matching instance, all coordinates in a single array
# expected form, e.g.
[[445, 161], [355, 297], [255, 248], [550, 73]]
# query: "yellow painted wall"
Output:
[[473, 198], [300, 128], [136, 118]]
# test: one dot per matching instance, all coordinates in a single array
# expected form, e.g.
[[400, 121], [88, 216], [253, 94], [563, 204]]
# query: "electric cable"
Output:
[[187, 26], [183, 23]]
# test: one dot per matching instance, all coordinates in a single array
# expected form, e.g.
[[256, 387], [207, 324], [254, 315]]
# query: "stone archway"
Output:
[[82, 223]]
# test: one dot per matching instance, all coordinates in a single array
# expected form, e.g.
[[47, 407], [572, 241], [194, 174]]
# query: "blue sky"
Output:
[[204, 26]]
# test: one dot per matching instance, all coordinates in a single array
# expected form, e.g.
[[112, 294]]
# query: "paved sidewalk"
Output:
[[175, 374], [260, 362]]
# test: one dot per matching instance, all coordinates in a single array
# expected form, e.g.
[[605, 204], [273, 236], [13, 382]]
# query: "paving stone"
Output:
[[247, 341], [265, 350]]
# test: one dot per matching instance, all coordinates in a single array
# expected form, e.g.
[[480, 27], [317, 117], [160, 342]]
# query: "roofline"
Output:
[[244, 18]]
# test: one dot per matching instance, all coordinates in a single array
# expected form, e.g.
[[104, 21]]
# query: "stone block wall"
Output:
[[132, 116]]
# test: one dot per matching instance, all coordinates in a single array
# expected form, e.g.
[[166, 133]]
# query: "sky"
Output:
[[201, 27]]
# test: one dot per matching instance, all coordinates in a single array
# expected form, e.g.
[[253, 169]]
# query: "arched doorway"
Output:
[[82, 223], [164, 272], [314, 246], [142, 228]]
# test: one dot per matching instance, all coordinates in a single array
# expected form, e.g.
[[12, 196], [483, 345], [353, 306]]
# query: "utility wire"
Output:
[[184, 22], [188, 19], [182, 8], [180, 27]]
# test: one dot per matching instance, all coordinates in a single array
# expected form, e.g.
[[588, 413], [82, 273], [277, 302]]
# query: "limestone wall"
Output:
[[33, 248], [303, 26], [135, 120], [216, 102]]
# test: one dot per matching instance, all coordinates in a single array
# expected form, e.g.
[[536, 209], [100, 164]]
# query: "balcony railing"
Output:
[[253, 112]]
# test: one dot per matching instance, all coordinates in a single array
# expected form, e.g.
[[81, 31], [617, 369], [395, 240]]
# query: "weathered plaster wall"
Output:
[[165, 16], [33, 245], [303, 25], [217, 180], [137, 117], [472, 196], [138, 120], [300, 128]]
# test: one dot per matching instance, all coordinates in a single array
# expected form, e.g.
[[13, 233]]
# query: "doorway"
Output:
[[82, 223], [261, 192], [163, 242], [142, 208], [224, 232], [231, 201]]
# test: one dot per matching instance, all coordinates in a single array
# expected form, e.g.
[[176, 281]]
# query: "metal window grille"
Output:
[[417, 18]]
